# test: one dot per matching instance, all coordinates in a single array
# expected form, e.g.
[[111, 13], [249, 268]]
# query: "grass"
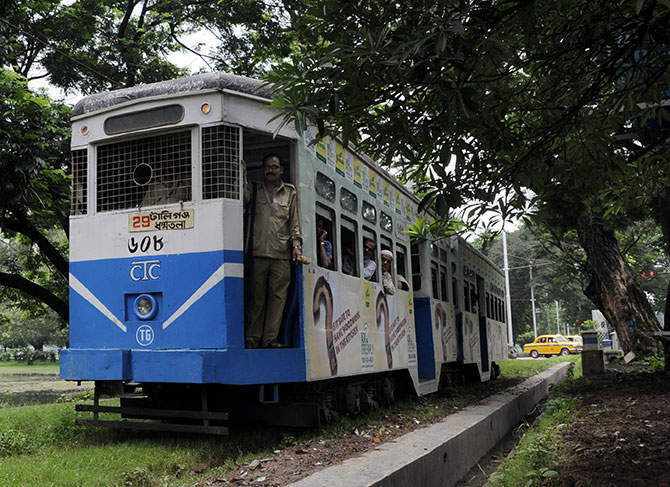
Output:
[[531, 464], [533, 460], [526, 368], [42, 368], [41, 446]]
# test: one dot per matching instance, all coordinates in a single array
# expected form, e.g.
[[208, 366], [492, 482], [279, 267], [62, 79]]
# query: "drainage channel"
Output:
[[442, 454]]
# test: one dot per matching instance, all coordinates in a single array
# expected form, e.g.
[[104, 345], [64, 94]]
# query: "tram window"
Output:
[[147, 171], [466, 296], [369, 212], [434, 251], [349, 246], [474, 298], [454, 291], [401, 267], [434, 280], [386, 244], [416, 267], [348, 200], [79, 182], [370, 252], [454, 284], [220, 156], [488, 305], [325, 251], [443, 255], [386, 222], [153, 117], [325, 186], [443, 283]]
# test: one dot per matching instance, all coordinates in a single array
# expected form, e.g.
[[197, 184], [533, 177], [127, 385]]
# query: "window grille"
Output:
[[325, 186], [144, 172], [79, 182], [369, 212], [348, 200], [220, 162], [386, 222]]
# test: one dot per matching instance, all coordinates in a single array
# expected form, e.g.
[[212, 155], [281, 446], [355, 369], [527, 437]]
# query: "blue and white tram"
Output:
[[157, 265]]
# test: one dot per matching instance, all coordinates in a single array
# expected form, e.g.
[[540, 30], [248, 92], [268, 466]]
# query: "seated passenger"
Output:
[[387, 278], [403, 285], [325, 248], [369, 264]]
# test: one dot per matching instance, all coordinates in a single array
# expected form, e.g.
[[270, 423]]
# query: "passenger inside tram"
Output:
[[324, 249], [387, 278], [369, 264]]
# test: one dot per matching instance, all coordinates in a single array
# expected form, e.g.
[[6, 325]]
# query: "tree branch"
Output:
[[19, 282], [20, 225]]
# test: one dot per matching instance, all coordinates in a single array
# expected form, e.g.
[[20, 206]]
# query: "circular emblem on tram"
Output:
[[144, 335]]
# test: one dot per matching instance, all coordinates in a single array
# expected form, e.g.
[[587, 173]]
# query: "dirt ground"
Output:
[[621, 438], [29, 387], [296, 462]]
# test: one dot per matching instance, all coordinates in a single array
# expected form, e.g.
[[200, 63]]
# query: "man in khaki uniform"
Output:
[[276, 238]]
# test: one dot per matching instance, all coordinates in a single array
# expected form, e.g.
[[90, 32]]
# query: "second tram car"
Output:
[[157, 268]]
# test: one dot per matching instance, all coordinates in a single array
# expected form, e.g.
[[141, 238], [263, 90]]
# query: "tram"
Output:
[[157, 277]]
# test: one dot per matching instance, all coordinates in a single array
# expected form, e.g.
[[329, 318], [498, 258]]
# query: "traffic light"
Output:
[[648, 274]]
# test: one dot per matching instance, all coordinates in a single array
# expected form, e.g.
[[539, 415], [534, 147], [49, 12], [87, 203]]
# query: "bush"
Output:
[[27, 355], [523, 338]]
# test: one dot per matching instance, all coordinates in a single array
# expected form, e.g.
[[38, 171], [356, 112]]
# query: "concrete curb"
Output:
[[441, 454]]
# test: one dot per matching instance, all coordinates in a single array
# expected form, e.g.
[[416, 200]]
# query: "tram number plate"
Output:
[[160, 220]]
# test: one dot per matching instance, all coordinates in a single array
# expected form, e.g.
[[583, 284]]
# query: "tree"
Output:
[[35, 189], [19, 329], [556, 277], [89, 46], [507, 103]]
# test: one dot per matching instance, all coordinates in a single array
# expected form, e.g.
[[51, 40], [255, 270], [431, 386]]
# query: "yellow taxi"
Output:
[[577, 340], [549, 345]]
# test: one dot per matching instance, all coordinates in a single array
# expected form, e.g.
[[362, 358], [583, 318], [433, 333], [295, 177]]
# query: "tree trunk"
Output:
[[614, 288], [666, 327], [659, 205]]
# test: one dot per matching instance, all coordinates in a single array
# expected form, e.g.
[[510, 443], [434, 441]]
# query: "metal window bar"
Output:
[[79, 182], [144, 172], [220, 162]]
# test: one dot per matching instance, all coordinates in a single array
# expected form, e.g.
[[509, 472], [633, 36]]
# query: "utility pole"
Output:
[[532, 299], [558, 326], [508, 300]]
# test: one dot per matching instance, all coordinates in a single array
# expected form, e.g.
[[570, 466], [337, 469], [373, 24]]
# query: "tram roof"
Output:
[[216, 80]]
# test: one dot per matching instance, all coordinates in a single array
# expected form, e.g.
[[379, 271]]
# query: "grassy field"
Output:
[[40, 445], [22, 385], [528, 367]]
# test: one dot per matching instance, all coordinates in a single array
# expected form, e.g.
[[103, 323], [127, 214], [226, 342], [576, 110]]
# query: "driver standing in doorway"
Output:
[[276, 239]]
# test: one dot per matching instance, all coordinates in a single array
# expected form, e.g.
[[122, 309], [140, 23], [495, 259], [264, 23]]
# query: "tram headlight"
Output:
[[145, 306], [205, 108]]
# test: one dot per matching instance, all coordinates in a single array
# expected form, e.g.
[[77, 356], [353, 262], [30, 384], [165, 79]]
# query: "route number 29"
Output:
[[141, 221]]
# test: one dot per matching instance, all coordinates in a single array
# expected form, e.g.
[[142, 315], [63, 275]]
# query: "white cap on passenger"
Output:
[[388, 254]]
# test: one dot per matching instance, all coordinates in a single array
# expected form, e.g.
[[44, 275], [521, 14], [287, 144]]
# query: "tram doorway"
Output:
[[255, 146]]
